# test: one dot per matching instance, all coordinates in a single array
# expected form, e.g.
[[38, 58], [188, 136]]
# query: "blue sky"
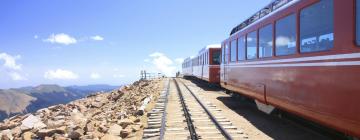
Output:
[[82, 42]]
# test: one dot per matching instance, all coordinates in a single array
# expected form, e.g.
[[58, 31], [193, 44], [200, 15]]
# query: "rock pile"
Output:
[[108, 116]]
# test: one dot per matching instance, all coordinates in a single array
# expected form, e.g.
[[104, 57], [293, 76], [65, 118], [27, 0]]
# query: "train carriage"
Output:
[[205, 66], [187, 67], [302, 56]]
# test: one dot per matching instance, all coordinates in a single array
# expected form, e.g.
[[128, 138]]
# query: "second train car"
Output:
[[205, 66]]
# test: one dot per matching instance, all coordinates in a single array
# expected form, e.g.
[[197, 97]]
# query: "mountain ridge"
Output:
[[29, 99]]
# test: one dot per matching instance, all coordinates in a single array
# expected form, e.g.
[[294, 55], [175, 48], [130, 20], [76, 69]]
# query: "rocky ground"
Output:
[[120, 114]]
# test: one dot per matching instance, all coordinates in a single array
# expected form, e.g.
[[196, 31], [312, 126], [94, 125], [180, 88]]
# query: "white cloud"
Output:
[[146, 60], [118, 76], [60, 74], [36, 36], [61, 38], [16, 76], [163, 63], [12, 68], [95, 76], [179, 60], [10, 61], [97, 38], [282, 41]]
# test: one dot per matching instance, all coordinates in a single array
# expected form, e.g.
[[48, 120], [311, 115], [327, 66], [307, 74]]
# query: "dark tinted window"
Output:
[[316, 27], [265, 41], [251, 45], [216, 58], [241, 48], [286, 35], [233, 51]]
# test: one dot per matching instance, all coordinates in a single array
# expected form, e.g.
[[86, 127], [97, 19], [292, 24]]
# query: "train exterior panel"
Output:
[[303, 58]]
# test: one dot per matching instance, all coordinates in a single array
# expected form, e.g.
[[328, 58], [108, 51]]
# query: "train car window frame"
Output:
[[241, 48], [286, 44], [251, 45], [266, 41], [357, 14], [317, 27], [233, 50]]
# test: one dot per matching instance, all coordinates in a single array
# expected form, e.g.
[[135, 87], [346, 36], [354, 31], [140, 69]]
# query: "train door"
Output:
[[222, 64]]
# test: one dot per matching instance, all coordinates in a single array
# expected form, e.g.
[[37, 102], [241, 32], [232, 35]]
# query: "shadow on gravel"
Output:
[[204, 85], [271, 125]]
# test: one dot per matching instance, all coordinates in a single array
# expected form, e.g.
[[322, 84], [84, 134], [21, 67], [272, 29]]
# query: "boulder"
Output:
[[125, 122], [115, 130], [60, 117], [32, 122], [76, 134], [110, 137], [6, 135], [125, 133], [48, 132], [55, 124], [77, 117], [27, 135], [102, 128], [96, 104], [135, 128], [48, 138], [16, 132]]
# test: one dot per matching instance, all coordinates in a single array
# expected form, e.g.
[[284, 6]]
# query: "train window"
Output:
[[226, 53], [207, 58], [241, 48], [233, 51], [216, 58], [286, 35], [317, 27], [251, 45], [266, 41], [358, 22]]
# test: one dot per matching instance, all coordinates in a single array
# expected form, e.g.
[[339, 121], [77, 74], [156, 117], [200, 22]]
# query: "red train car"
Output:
[[205, 66], [302, 56]]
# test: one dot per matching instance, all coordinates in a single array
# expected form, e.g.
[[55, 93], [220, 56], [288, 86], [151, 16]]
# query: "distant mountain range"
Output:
[[29, 99]]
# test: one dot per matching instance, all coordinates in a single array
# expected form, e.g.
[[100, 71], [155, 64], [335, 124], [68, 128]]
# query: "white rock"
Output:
[[32, 122], [115, 130], [7, 133]]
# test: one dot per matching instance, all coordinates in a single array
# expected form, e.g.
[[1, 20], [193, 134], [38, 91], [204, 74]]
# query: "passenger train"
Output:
[[301, 56]]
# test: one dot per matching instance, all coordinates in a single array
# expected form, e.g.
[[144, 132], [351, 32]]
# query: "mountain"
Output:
[[13, 102], [29, 99]]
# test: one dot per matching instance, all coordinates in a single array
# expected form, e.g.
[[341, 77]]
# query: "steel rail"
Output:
[[163, 118], [190, 125], [222, 129]]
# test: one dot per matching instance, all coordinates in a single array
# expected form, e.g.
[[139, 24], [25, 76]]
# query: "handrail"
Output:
[[275, 4]]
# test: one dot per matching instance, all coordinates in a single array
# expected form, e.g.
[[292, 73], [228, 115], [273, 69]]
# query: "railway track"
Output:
[[180, 114]]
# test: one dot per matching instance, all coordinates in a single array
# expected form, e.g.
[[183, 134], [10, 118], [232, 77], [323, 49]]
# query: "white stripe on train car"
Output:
[[343, 63], [303, 59]]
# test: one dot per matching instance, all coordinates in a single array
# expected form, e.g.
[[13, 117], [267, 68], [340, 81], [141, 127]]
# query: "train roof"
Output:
[[210, 47], [274, 7]]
